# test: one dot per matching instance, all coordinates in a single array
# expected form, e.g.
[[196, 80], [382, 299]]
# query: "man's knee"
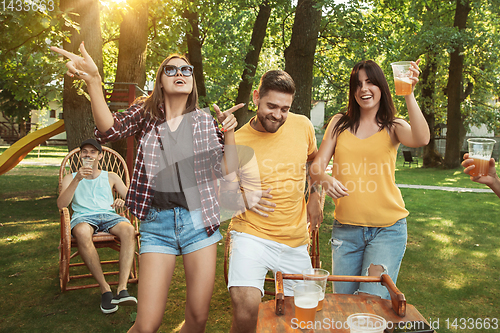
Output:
[[83, 233], [376, 270], [124, 230], [245, 302]]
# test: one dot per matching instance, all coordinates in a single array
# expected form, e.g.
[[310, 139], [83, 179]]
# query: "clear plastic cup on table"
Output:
[[305, 298], [366, 323], [318, 276]]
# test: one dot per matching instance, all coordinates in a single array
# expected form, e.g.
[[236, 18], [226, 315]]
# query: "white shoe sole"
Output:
[[107, 311], [127, 301]]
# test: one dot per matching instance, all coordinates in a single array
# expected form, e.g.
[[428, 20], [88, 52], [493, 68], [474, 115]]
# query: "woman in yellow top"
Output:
[[369, 231]]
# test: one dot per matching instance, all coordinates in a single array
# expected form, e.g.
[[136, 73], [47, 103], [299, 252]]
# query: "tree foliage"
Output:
[[27, 71], [349, 31]]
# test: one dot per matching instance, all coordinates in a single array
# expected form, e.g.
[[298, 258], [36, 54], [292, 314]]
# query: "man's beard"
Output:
[[269, 126]]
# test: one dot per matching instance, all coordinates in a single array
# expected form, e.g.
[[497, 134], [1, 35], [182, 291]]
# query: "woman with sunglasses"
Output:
[[173, 190], [369, 230]]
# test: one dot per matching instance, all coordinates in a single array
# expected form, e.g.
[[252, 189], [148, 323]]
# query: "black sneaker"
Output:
[[123, 298], [106, 303]]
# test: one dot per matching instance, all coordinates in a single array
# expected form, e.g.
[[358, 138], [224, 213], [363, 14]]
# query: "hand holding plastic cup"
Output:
[[317, 276], [402, 74], [306, 298], [480, 151], [366, 323]]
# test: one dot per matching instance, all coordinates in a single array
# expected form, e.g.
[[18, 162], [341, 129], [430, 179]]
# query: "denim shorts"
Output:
[[175, 231], [251, 257], [100, 222], [354, 248]]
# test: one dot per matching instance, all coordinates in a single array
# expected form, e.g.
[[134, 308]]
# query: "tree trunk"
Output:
[[455, 91], [22, 128], [243, 115], [78, 118], [133, 40], [194, 53], [431, 157], [131, 65], [299, 55]]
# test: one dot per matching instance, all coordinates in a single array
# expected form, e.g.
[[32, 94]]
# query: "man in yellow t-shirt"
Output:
[[272, 234]]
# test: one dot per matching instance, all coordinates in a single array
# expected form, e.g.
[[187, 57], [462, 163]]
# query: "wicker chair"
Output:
[[111, 161]]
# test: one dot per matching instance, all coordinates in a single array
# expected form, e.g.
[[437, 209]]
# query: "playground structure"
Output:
[[119, 96], [17, 151]]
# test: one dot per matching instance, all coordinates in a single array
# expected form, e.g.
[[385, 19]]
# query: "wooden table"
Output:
[[336, 309]]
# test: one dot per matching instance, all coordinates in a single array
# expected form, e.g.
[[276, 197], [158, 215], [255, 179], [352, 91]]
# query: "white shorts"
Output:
[[251, 257]]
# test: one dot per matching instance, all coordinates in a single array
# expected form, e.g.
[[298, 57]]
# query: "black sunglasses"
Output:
[[171, 70]]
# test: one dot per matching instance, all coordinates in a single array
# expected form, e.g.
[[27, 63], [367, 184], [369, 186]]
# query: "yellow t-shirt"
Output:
[[281, 158], [366, 168]]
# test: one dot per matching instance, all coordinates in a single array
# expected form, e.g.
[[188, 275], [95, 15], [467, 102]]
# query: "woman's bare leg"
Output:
[[200, 279], [155, 275]]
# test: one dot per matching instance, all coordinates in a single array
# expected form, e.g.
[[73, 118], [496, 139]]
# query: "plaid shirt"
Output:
[[208, 152]]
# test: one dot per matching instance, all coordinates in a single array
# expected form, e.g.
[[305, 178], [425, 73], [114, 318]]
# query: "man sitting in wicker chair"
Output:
[[90, 192]]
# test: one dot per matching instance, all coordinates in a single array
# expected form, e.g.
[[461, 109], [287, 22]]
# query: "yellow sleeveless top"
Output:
[[366, 168]]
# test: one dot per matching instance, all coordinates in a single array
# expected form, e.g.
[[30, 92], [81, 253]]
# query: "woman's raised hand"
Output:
[[84, 68]]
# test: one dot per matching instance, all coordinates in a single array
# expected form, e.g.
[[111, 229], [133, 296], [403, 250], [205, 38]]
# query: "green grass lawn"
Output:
[[44, 154], [437, 177], [450, 270]]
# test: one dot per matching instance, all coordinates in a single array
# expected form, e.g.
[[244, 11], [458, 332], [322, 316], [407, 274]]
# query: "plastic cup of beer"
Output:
[[480, 151], [402, 74], [306, 298], [88, 162], [318, 276], [366, 323]]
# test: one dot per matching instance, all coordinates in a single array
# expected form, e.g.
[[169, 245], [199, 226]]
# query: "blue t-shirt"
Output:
[[93, 196]]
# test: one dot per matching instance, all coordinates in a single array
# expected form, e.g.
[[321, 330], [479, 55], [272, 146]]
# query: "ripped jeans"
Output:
[[355, 248]]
